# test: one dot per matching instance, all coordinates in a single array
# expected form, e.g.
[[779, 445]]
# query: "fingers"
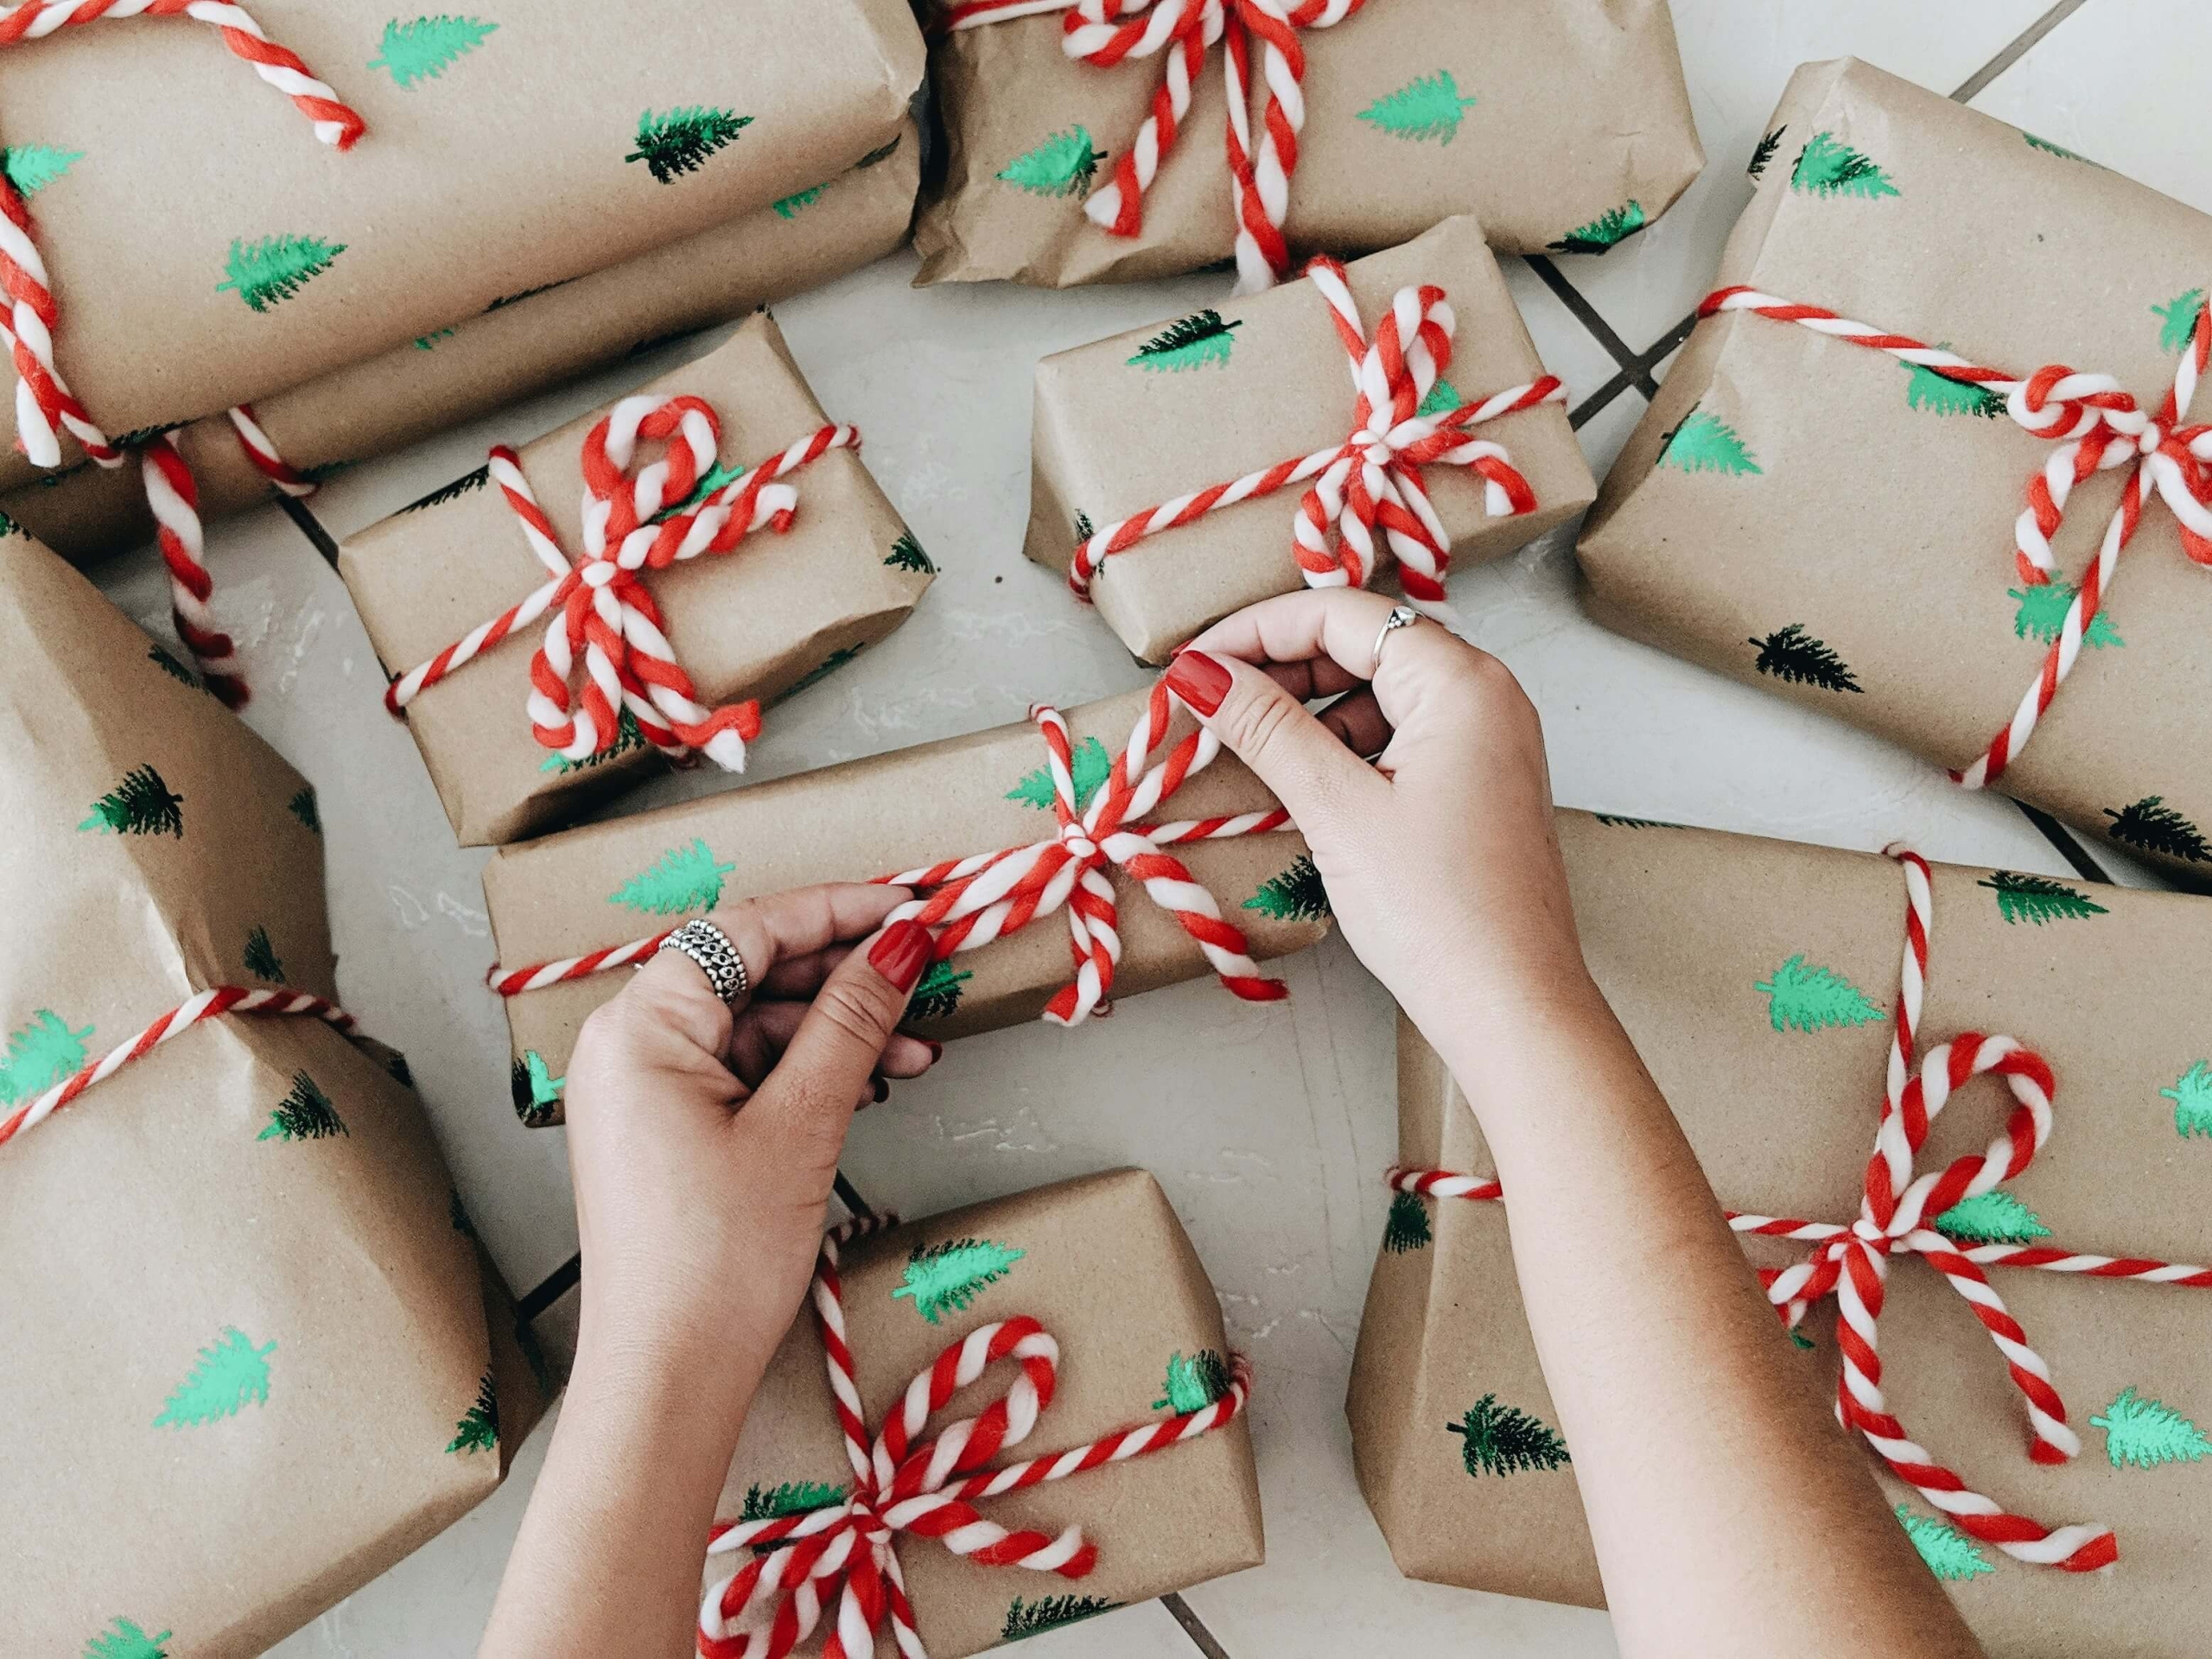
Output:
[[670, 991], [782, 926], [1357, 724], [1307, 766], [767, 1027], [1343, 626]]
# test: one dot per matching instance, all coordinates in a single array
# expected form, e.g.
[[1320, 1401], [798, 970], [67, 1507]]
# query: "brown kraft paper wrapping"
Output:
[[1879, 519], [471, 182], [594, 886], [518, 348], [1106, 1268], [753, 622], [1557, 114], [1680, 928], [189, 1197], [1112, 439]]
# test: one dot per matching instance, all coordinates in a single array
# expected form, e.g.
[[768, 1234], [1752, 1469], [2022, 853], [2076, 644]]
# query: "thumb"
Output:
[[1310, 771]]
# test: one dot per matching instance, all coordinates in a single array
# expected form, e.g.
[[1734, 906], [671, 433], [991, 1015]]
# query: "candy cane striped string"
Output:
[[926, 1488], [1373, 478], [224, 999], [601, 604], [2097, 427], [1851, 1260], [268, 461], [174, 497]]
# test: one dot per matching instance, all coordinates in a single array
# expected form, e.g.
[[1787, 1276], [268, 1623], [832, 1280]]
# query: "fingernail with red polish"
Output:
[[937, 1050], [882, 1090], [901, 952], [1199, 680]]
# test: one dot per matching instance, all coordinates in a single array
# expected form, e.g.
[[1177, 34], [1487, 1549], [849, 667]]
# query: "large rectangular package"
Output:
[[1756, 979]]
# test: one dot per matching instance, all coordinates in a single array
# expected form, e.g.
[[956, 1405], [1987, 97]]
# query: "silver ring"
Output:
[[708, 947], [1402, 616]]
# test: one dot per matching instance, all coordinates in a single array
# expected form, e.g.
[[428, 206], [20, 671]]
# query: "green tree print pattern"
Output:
[[627, 741], [685, 878], [1193, 1383], [1089, 767], [2191, 1096], [2049, 149], [2178, 319], [1190, 342], [479, 1428], [788, 1497], [534, 1087], [1992, 1217], [2038, 899], [814, 676], [1443, 398], [2153, 826], [680, 141], [1428, 106], [1407, 1227], [1796, 658], [1296, 895], [789, 206], [31, 167], [2143, 1434], [2041, 616], [421, 49], [942, 1278], [453, 492], [1610, 228], [907, 554], [1706, 443], [1764, 151], [303, 806], [274, 269], [125, 1639], [261, 958], [1064, 165], [1811, 998], [142, 804], [1050, 1613], [1828, 166], [938, 996], [230, 1375], [1950, 1555], [1938, 394], [305, 1113], [1506, 1441], [40, 1053]]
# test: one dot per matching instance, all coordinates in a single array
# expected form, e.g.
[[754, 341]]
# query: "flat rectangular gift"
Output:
[[1080, 149], [1135, 437], [254, 1357], [994, 831], [765, 556], [521, 345], [1080, 1306], [1860, 486], [1760, 981]]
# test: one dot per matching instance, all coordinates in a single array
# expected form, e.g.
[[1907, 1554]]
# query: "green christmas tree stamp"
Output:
[[230, 1375], [1190, 342], [1706, 443], [788, 1497], [272, 270], [429, 342], [142, 804], [2143, 1434], [937, 994], [1763, 153], [1193, 1383], [680, 141], [791, 206], [421, 49], [1610, 229], [1427, 106], [162, 658], [828, 665], [2178, 319], [1443, 398], [1506, 1441], [479, 1428], [466, 483], [1089, 767], [718, 476], [1950, 1555], [261, 958], [907, 554], [1937, 393], [1050, 1613], [1064, 165], [535, 1089], [1620, 823], [40, 1053], [303, 806], [1828, 166], [1796, 658], [125, 1639], [1802, 997], [684, 877], [305, 1113], [2151, 826], [1407, 1227], [2037, 898], [2191, 1096], [31, 167], [2049, 149], [942, 1278], [1296, 895], [1992, 1217], [628, 739], [2041, 616]]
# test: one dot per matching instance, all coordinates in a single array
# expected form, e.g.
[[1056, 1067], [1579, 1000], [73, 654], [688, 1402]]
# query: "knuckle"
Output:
[[859, 1012], [1259, 722]]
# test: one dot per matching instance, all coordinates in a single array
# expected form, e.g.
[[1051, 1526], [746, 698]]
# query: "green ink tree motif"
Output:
[[1829, 166], [1620, 823], [305, 1113], [303, 806], [40, 1053], [124, 1639], [1950, 1555], [231, 1373], [1992, 1217], [881, 153], [2038, 899], [2191, 1096], [429, 342], [1407, 1228], [789, 206], [1763, 152], [479, 1428], [814, 676], [1706, 443], [679, 140], [31, 167], [1801, 998], [1089, 767], [686, 878], [1610, 228], [142, 804], [1793, 656], [942, 1278], [1193, 1383], [505, 299], [1427, 106], [1296, 895], [9, 527], [1938, 394], [2154, 826], [1190, 342], [421, 49], [2042, 615], [1506, 1441], [721, 475], [1802, 1343], [2178, 319], [261, 958], [2049, 149], [907, 554], [453, 492], [162, 658], [2144, 1433], [938, 994], [402, 1073], [534, 1087], [1064, 165], [1084, 530], [1049, 1613], [272, 270], [1443, 398], [628, 740], [788, 1497]]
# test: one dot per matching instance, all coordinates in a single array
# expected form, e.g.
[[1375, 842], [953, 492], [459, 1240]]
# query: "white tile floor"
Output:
[[1276, 1177]]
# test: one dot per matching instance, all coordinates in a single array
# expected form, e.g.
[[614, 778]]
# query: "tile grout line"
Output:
[[2029, 38], [311, 527], [2069, 849], [1194, 1627], [1584, 313]]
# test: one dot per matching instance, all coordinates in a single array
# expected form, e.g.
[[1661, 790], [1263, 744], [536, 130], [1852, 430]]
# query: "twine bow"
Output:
[[1898, 1216], [632, 523], [2098, 427], [1372, 480], [844, 1550]]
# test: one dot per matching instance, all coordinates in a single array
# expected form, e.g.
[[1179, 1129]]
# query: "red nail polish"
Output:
[[882, 1091], [937, 1050], [1199, 680], [900, 953]]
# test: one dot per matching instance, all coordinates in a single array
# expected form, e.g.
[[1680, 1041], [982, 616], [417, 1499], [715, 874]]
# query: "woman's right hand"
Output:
[[1439, 858]]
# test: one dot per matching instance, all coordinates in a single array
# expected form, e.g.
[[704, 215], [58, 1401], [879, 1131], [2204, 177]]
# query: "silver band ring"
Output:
[[709, 948], [1402, 616]]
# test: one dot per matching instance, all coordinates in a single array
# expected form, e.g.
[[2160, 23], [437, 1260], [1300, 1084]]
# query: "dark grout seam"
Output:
[[311, 527], [1973, 87], [2069, 848], [1587, 314], [1193, 1626]]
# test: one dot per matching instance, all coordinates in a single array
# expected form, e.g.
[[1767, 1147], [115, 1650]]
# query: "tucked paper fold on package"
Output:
[[776, 611], [241, 1294], [1832, 523], [521, 345], [1146, 418], [1104, 1266], [1756, 979], [1560, 124], [605, 884]]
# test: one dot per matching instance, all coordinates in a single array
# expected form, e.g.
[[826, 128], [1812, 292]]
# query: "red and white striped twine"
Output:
[[1179, 33], [1895, 1219], [45, 407], [224, 999], [601, 603], [2097, 426], [261, 449], [1373, 478], [924, 1488]]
